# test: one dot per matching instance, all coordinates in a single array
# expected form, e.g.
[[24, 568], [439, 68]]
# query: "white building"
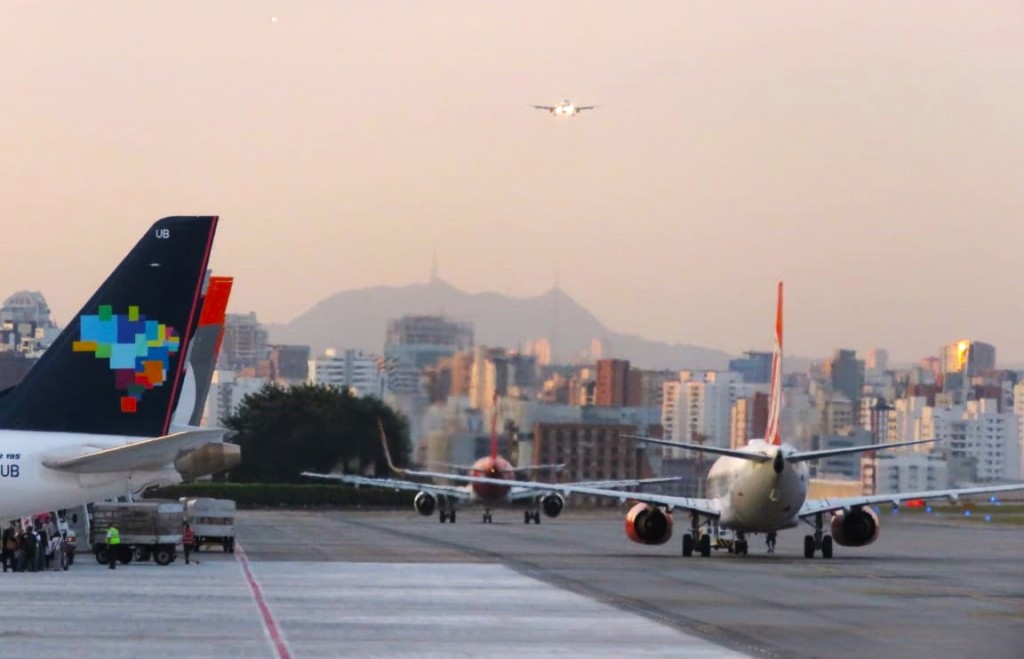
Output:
[[354, 369], [910, 472], [977, 430], [227, 390], [697, 408]]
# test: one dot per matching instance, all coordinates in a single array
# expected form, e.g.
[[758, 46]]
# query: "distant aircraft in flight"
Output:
[[565, 108]]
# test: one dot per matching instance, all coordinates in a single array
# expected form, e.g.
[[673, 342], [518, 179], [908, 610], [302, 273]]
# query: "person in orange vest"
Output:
[[188, 539]]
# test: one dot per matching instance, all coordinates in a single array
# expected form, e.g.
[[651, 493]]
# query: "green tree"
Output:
[[285, 431]]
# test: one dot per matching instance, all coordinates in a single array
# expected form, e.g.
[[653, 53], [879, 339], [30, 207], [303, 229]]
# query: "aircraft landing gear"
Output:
[[818, 541], [487, 517], [445, 515], [704, 545], [739, 546], [531, 516]]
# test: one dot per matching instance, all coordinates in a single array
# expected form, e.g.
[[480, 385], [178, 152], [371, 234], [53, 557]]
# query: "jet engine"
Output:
[[855, 528], [425, 503], [208, 459], [648, 525], [552, 504]]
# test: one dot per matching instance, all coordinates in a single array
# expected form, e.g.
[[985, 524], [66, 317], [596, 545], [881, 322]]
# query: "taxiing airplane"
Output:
[[95, 417], [491, 482], [565, 108], [762, 487]]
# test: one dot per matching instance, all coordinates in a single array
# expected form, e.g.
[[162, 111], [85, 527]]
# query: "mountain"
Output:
[[358, 319]]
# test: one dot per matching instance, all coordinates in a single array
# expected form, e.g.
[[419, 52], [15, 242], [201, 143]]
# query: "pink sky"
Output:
[[871, 154]]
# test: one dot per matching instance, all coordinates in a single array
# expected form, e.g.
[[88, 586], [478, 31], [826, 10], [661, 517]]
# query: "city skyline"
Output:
[[868, 155]]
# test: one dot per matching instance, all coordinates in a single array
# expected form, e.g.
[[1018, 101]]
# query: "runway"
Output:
[[926, 587], [393, 584]]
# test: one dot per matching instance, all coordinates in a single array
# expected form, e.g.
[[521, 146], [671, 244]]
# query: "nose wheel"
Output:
[[695, 540], [487, 517]]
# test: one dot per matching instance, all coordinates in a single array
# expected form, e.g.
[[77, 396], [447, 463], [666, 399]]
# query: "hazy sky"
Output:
[[869, 153]]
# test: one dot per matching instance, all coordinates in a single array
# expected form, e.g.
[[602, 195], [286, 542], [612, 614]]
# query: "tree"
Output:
[[285, 431]]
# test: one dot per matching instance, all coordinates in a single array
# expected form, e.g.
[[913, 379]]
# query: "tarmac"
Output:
[[393, 584]]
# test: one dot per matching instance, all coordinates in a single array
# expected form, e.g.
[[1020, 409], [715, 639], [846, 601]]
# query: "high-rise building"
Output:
[[846, 373], [489, 376], [756, 367], [969, 357], [245, 341], [612, 382], [289, 363], [26, 307], [354, 369], [422, 340], [590, 451], [877, 359]]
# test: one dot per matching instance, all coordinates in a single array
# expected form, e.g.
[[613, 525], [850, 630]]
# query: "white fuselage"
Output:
[[752, 497], [28, 487]]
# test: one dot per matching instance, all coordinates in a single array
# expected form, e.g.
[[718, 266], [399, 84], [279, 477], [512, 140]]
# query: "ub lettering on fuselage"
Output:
[[9, 467]]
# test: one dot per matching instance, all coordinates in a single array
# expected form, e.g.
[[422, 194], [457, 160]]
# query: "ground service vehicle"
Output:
[[212, 522], [148, 529]]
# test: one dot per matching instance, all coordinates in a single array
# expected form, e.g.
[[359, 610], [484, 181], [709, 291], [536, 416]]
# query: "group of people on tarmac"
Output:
[[34, 548]]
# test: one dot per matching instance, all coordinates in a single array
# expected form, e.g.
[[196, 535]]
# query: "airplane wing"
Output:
[[702, 506], [459, 493], [581, 108], [153, 453], [816, 506], [527, 469], [523, 490], [549, 108]]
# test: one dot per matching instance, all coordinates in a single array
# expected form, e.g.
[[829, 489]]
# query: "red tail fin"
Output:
[[494, 429], [771, 434]]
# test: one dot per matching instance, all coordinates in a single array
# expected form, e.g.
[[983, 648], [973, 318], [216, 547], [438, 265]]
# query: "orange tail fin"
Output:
[[494, 429], [772, 434]]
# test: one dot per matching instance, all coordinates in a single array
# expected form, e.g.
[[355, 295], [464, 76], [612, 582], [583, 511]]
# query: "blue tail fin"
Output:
[[116, 369]]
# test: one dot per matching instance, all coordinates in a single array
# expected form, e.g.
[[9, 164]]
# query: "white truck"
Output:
[[212, 521], [148, 529]]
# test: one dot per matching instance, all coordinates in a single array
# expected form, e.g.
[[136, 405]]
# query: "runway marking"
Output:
[[270, 627]]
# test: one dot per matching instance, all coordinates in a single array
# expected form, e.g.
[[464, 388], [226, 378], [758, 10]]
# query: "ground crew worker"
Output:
[[188, 538], [113, 545]]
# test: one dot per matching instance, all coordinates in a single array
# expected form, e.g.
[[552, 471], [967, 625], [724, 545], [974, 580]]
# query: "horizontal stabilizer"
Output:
[[828, 453], [733, 453], [154, 453]]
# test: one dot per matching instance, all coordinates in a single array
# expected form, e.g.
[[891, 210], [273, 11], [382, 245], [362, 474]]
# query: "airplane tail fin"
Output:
[[203, 352], [772, 434], [117, 367], [494, 429]]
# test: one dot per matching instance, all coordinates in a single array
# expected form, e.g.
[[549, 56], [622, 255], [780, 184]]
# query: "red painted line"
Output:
[[269, 624]]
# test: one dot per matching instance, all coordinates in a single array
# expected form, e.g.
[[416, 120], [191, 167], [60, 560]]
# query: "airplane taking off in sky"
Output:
[[98, 415], [491, 482], [761, 488], [565, 108]]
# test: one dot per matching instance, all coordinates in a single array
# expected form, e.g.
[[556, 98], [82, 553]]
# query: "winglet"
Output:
[[772, 434], [387, 453]]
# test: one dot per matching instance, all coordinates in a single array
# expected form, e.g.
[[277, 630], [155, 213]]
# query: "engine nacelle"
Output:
[[552, 504], [425, 503], [208, 459], [648, 525], [856, 528]]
